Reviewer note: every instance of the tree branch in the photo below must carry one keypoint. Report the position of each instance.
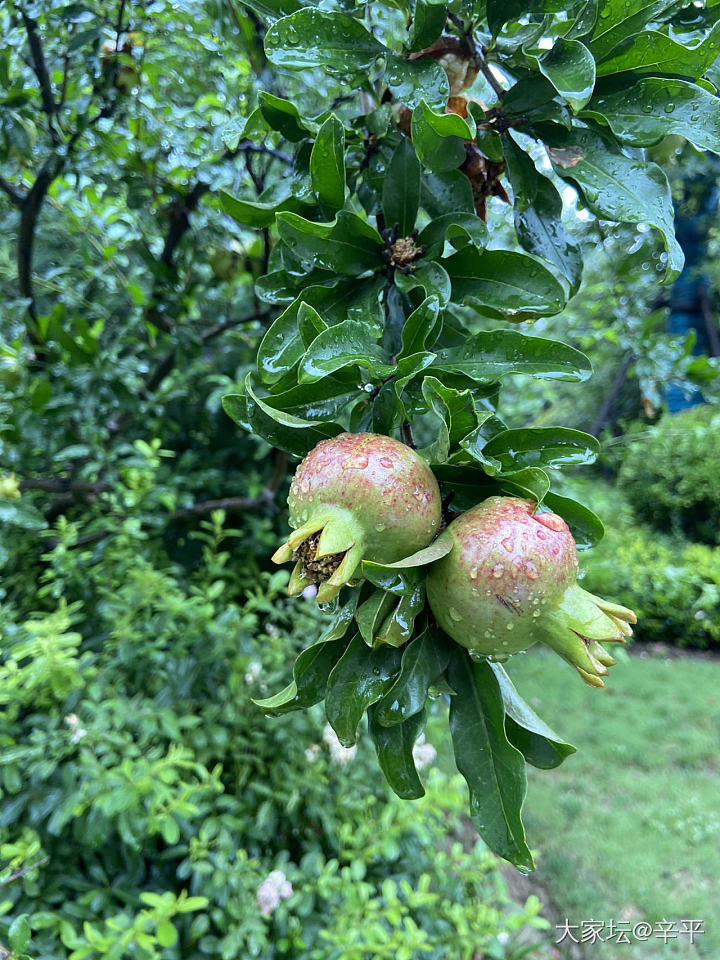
(40, 70)
(15, 195)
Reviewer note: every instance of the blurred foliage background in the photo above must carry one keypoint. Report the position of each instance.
(147, 808)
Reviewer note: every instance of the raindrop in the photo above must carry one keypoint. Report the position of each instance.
(473, 573)
(386, 462)
(531, 570)
(376, 671)
(454, 615)
(508, 543)
(669, 107)
(497, 570)
(379, 527)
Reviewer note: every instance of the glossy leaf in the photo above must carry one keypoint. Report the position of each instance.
(327, 164)
(427, 24)
(570, 68)
(310, 323)
(294, 434)
(442, 193)
(618, 19)
(401, 188)
(313, 38)
(459, 228)
(497, 353)
(439, 548)
(537, 742)
(347, 245)
(439, 138)
(538, 210)
(345, 344)
(310, 676)
(323, 400)
(409, 368)
(493, 768)
(400, 581)
(398, 626)
(655, 52)
(283, 116)
(261, 212)
(411, 81)
(542, 447)
(532, 482)
(394, 747)
(456, 407)
(433, 279)
(420, 327)
(585, 526)
(506, 282)
(370, 615)
(618, 187)
(360, 678)
(424, 661)
(654, 108)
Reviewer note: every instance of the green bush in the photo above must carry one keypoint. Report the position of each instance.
(672, 585)
(148, 809)
(670, 474)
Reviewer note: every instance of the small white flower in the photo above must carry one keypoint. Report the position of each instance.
(312, 752)
(423, 753)
(503, 937)
(254, 669)
(310, 591)
(77, 732)
(274, 888)
(338, 753)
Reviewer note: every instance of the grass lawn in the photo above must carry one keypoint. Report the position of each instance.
(629, 827)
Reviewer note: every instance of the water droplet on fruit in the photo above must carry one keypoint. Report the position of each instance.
(358, 461)
(508, 544)
(551, 520)
(454, 615)
(305, 486)
(379, 527)
(473, 573)
(386, 462)
(531, 570)
(541, 535)
(510, 626)
(497, 570)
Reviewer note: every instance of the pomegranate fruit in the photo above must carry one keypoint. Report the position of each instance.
(357, 496)
(510, 580)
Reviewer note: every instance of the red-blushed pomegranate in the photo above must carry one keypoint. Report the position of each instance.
(510, 580)
(357, 496)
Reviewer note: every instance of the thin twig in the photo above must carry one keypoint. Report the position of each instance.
(40, 70)
(19, 874)
(15, 195)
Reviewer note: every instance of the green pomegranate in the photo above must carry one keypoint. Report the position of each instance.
(355, 497)
(510, 580)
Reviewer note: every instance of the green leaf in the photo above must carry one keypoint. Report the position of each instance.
(327, 164)
(424, 661)
(455, 407)
(537, 742)
(283, 116)
(348, 245)
(311, 38)
(394, 746)
(399, 625)
(411, 81)
(370, 615)
(617, 187)
(346, 344)
(655, 52)
(401, 188)
(439, 548)
(654, 108)
(439, 138)
(618, 19)
(487, 357)
(360, 678)
(310, 676)
(309, 322)
(322, 400)
(459, 228)
(409, 368)
(294, 434)
(541, 446)
(273, 9)
(261, 212)
(493, 768)
(442, 193)
(427, 24)
(531, 482)
(400, 581)
(433, 279)
(19, 934)
(421, 328)
(538, 216)
(570, 68)
(585, 526)
(166, 934)
(505, 282)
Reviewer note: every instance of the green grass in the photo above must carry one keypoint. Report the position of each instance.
(629, 827)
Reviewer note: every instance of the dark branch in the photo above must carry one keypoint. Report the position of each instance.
(63, 485)
(40, 70)
(15, 195)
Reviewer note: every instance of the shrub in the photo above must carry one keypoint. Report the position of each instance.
(671, 478)
(148, 809)
(673, 586)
